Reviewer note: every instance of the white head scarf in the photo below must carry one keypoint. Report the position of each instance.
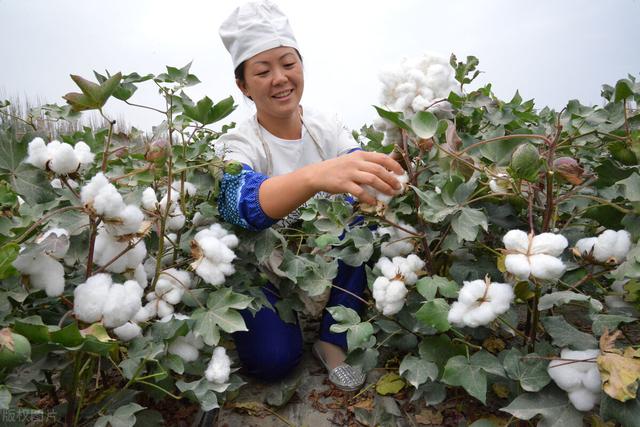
(253, 28)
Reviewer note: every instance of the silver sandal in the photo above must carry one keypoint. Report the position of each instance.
(345, 377)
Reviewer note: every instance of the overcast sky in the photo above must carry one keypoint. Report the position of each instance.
(551, 50)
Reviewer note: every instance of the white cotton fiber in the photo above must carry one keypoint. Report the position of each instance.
(549, 244)
(583, 400)
(219, 367)
(83, 153)
(546, 267)
(128, 331)
(516, 240)
(128, 221)
(63, 160)
(149, 200)
(89, 297)
(585, 246)
(478, 305)
(122, 303)
(38, 153)
(210, 272)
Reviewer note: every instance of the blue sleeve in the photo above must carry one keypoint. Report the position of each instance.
(238, 201)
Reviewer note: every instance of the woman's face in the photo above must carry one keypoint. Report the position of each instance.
(274, 80)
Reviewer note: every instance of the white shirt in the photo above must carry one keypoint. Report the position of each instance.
(244, 144)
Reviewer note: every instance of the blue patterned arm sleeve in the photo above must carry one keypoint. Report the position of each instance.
(238, 201)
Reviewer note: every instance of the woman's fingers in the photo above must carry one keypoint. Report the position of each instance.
(389, 178)
(360, 193)
(383, 160)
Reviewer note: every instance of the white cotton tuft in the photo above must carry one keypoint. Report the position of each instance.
(122, 304)
(38, 153)
(93, 187)
(83, 153)
(480, 303)
(585, 246)
(583, 400)
(534, 255)
(189, 188)
(516, 240)
(107, 247)
(215, 262)
(389, 295)
(128, 221)
(400, 242)
(580, 379)
(63, 160)
(387, 268)
(149, 200)
(518, 265)
(219, 367)
(128, 331)
(209, 272)
(89, 297)
(549, 244)
(45, 272)
(546, 267)
(612, 245)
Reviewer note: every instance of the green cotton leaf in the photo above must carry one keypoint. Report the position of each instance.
(463, 70)
(602, 322)
(8, 254)
(623, 90)
(429, 286)
(284, 390)
(344, 315)
(32, 185)
(460, 372)
(69, 336)
(12, 151)
(552, 404)
(366, 358)
(124, 416)
(466, 224)
(556, 299)
(389, 384)
(221, 314)
(393, 117)
(32, 328)
(439, 349)
(529, 371)
(360, 336)
(417, 370)
(93, 95)
(565, 335)
(432, 207)
(631, 187)
(424, 124)
(320, 276)
(434, 313)
(627, 413)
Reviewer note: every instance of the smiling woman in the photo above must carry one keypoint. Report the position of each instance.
(289, 153)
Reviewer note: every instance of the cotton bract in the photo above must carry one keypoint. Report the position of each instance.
(480, 302)
(581, 380)
(219, 367)
(100, 299)
(59, 157)
(534, 255)
(213, 250)
(610, 246)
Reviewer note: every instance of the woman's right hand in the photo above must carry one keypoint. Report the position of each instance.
(350, 172)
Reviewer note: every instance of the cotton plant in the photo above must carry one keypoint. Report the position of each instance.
(219, 367)
(610, 247)
(100, 299)
(576, 372)
(536, 256)
(170, 287)
(415, 85)
(390, 290)
(212, 249)
(59, 157)
(480, 302)
(43, 267)
(104, 199)
(185, 346)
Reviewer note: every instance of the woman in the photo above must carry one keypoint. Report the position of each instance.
(289, 154)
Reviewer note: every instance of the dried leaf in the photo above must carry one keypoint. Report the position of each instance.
(389, 384)
(501, 390)
(6, 339)
(494, 344)
(619, 369)
(429, 417)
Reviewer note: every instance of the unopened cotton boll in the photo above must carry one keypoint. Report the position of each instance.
(38, 154)
(128, 331)
(63, 160)
(219, 367)
(89, 297)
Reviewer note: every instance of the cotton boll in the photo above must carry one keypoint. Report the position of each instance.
(588, 355)
(585, 246)
(396, 291)
(149, 200)
(387, 268)
(548, 243)
(128, 222)
(226, 269)
(63, 160)
(178, 278)
(592, 380)
(219, 367)
(38, 153)
(140, 276)
(230, 240)
(83, 153)
(108, 202)
(200, 220)
(122, 304)
(218, 230)
(128, 331)
(471, 292)
(516, 240)
(583, 400)
(163, 308)
(176, 219)
(622, 247)
(168, 291)
(56, 183)
(93, 187)
(612, 244)
(546, 267)
(145, 313)
(456, 313)
(184, 350)
(106, 248)
(189, 188)
(209, 272)
(89, 297)
(501, 296)
(479, 315)
(50, 277)
(393, 307)
(216, 251)
(379, 289)
(518, 265)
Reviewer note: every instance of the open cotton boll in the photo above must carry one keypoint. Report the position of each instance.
(185, 351)
(389, 295)
(123, 302)
(379, 289)
(546, 267)
(90, 190)
(549, 244)
(216, 251)
(209, 272)
(219, 367)
(128, 221)
(387, 268)
(189, 188)
(83, 153)
(178, 278)
(176, 219)
(480, 303)
(400, 242)
(168, 291)
(149, 200)
(583, 399)
(128, 331)
(38, 154)
(140, 276)
(471, 292)
(592, 380)
(108, 202)
(566, 377)
(588, 355)
(585, 246)
(45, 273)
(518, 265)
(63, 160)
(612, 244)
(89, 297)
(516, 240)
(107, 247)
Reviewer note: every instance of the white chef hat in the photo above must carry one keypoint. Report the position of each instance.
(253, 28)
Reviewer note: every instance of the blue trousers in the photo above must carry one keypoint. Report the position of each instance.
(271, 348)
